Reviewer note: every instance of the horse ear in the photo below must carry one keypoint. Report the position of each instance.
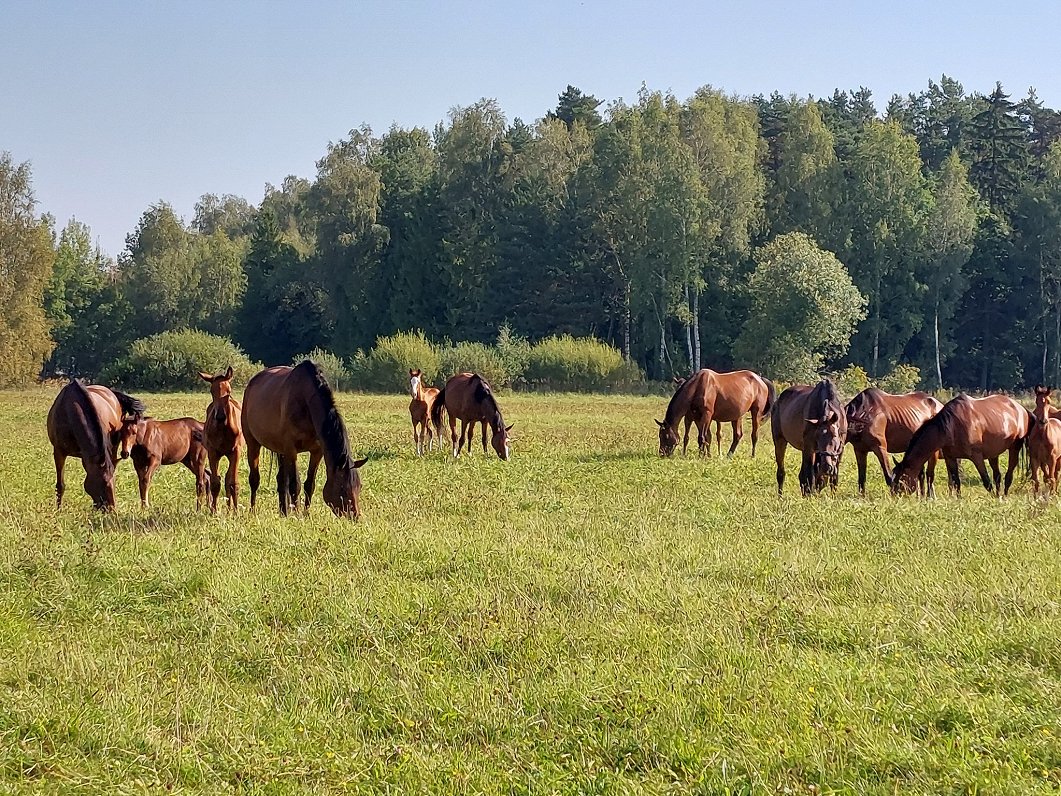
(206, 377)
(660, 423)
(831, 418)
(228, 373)
(813, 421)
(508, 428)
(677, 379)
(360, 462)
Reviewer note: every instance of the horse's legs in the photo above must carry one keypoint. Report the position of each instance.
(464, 434)
(144, 476)
(282, 483)
(738, 435)
(311, 474)
(806, 473)
(718, 436)
(779, 455)
(978, 463)
(215, 480)
(930, 475)
(416, 440)
(996, 470)
(254, 451)
(293, 487)
(426, 433)
(471, 433)
(860, 460)
(703, 436)
(882, 456)
(453, 435)
(954, 479)
(685, 440)
(1011, 465)
(60, 485)
(756, 419)
(483, 424)
(232, 479)
(196, 463)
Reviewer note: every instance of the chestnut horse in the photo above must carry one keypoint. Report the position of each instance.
(811, 420)
(85, 422)
(468, 398)
(722, 397)
(1044, 442)
(420, 412)
(878, 422)
(967, 428)
(153, 442)
(222, 437)
(291, 410)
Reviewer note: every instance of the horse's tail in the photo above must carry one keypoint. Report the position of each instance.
(771, 396)
(130, 405)
(437, 407)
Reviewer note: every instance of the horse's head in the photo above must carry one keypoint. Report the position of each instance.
(829, 438)
(500, 440)
(904, 477)
(99, 480)
(129, 434)
(668, 438)
(1042, 403)
(414, 382)
(342, 490)
(220, 385)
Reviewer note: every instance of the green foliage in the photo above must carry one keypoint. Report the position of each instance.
(333, 367)
(902, 378)
(172, 361)
(851, 380)
(514, 352)
(579, 365)
(386, 368)
(476, 358)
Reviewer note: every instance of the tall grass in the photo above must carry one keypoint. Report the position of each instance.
(586, 618)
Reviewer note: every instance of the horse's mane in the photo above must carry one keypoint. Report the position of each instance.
(944, 421)
(483, 394)
(823, 395)
(129, 404)
(89, 434)
(325, 414)
(672, 415)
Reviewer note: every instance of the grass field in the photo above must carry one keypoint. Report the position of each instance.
(586, 618)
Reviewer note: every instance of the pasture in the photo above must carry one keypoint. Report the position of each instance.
(585, 618)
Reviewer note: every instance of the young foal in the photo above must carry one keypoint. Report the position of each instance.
(420, 411)
(222, 436)
(1044, 442)
(152, 443)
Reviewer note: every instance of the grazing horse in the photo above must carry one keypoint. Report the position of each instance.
(1044, 442)
(468, 398)
(967, 428)
(85, 422)
(811, 420)
(722, 397)
(222, 437)
(291, 410)
(420, 411)
(152, 443)
(878, 422)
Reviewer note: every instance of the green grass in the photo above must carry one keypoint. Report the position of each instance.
(586, 618)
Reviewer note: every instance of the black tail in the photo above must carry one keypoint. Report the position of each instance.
(129, 404)
(771, 396)
(437, 407)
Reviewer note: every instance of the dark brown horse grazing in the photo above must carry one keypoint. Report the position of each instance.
(152, 443)
(423, 398)
(811, 420)
(468, 398)
(222, 437)
(292, 411)
(879, 422)
(85, 422)
(1044, 442)
(722, 397)
(967, 428)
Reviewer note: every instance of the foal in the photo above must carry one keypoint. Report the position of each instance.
(420, 411)
(222, 436)
(151, 443)
(1044, 442)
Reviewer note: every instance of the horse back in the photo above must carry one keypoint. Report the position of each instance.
(467, 396)
(737, 393)
(787, 418)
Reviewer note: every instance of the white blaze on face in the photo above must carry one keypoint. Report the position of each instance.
(506, 451)
(414, 385)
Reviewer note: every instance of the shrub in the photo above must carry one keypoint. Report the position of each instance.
(332, 366)
(903, 378)
(569, 363)
(851, 380)
(172, 361)
(514, 352)
(386, 368)
(476, 358)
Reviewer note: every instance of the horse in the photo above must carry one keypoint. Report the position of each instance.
(420, 411)
(722, 397)
(152, 442)
(967, 428)
(222, 436)
(468, 398)
(84, 422)
(878, 422)
(1044, 442)
(292, 410)
(678, 382)
(811, 420)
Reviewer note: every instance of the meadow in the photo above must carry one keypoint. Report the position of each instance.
(586, 618)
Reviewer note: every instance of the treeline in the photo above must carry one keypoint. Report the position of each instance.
(774, 232)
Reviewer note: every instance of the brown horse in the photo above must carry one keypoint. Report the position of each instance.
(292, 411)
(721, 397)
(420, 412)
(222, 437)
(152, 443)
(468, 398)
(967, 428)
(85, 422)
(878, 422)
(811, 420)
(1044, 442)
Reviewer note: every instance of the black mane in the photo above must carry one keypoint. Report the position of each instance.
(329, 424)
(484, 395)
(670, 418)
(92, 429)
(944, 421)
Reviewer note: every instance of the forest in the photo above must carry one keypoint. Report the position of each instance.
(791, 235)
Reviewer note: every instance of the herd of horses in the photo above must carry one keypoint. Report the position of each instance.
(292, 410)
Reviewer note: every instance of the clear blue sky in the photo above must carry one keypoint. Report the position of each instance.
(118, 105)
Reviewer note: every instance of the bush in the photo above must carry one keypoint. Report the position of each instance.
(332, 366)
(476, 358)
(580, 364)
(172, 361)
(514, 351)
(386, 368)
(851, 380)
(904, 378)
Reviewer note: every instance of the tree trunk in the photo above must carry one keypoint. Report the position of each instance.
(935, 328)
(696, 331)
(626, 323)
(688, 329)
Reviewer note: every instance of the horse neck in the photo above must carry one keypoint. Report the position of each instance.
(88, 428)
(331, 434)
(678, 405)
(1042, 410)
(928, 441)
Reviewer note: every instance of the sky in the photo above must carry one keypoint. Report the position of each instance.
(119, 105)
